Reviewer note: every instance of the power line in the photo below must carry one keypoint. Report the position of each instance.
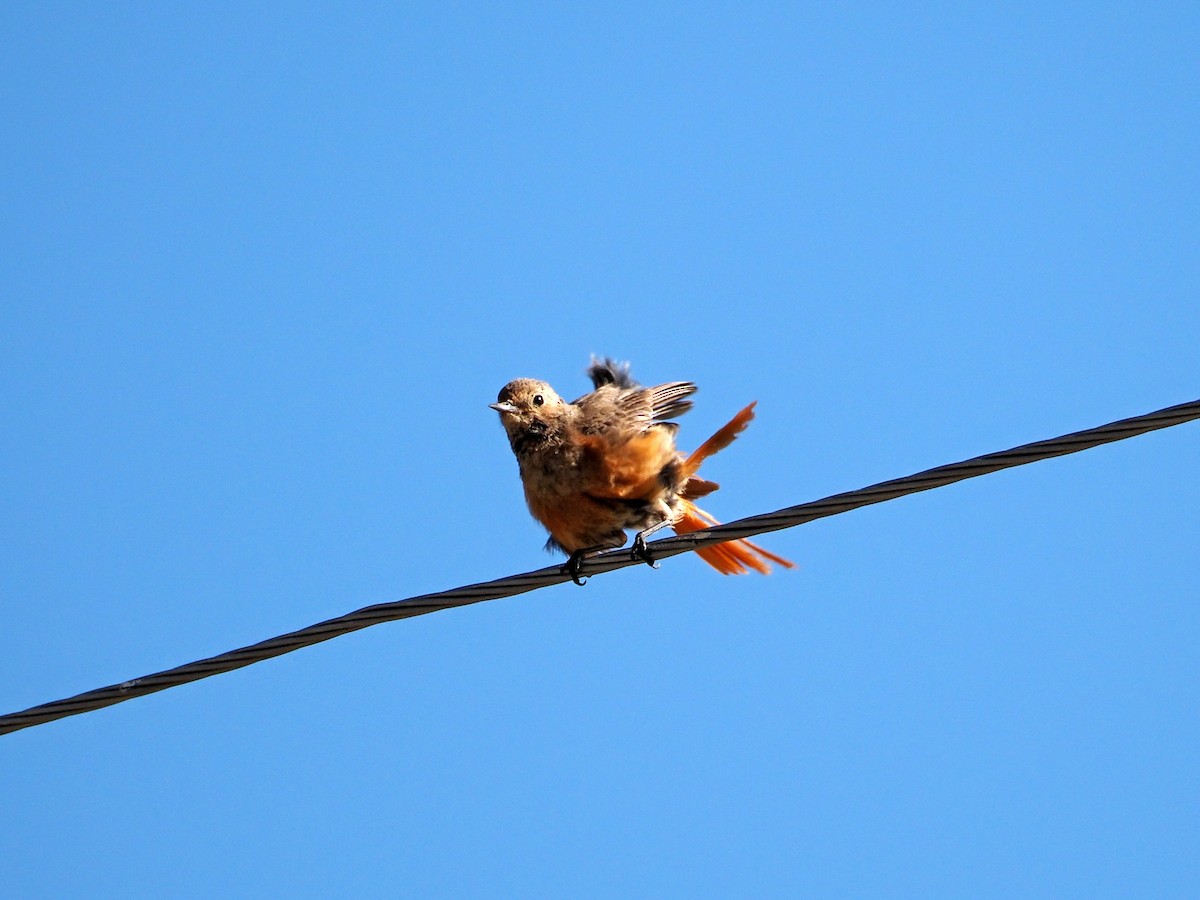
(605, 562)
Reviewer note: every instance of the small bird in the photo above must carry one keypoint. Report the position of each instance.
(607, 462)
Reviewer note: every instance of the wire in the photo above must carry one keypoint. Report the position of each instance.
(604, 562)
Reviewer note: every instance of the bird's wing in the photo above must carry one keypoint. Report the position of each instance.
(625, 438)
(666, 401)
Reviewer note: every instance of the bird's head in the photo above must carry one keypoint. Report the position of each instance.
(528, 408)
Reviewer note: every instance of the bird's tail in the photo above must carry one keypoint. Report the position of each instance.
(732, 557)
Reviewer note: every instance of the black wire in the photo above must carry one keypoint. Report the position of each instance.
(605, 562)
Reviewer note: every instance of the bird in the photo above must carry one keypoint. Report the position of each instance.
(595, 467)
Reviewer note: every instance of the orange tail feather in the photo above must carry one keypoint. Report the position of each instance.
(725, 436)
(732, 557)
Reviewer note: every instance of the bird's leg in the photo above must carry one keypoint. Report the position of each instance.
(575, 563)
(640, 551)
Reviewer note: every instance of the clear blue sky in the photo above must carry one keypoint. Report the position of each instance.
(262, 271)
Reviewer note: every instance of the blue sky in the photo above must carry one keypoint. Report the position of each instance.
(264, 268)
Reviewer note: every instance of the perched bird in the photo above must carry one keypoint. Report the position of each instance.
(607, 462)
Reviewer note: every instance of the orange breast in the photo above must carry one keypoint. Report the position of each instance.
(607, 491)
(576, 521)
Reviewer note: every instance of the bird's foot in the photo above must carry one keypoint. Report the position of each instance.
(640, 552)
(573, 566)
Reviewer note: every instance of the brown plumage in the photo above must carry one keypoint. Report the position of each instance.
(607, 462)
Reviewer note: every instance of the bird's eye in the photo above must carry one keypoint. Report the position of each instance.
(538, 400)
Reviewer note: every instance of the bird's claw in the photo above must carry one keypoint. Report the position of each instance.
(573, 566)
(640, 552)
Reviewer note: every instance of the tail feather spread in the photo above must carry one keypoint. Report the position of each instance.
(732, 557)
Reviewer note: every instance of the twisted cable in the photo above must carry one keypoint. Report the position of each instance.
(604, 562)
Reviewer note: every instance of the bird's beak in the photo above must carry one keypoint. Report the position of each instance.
(503, 407)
